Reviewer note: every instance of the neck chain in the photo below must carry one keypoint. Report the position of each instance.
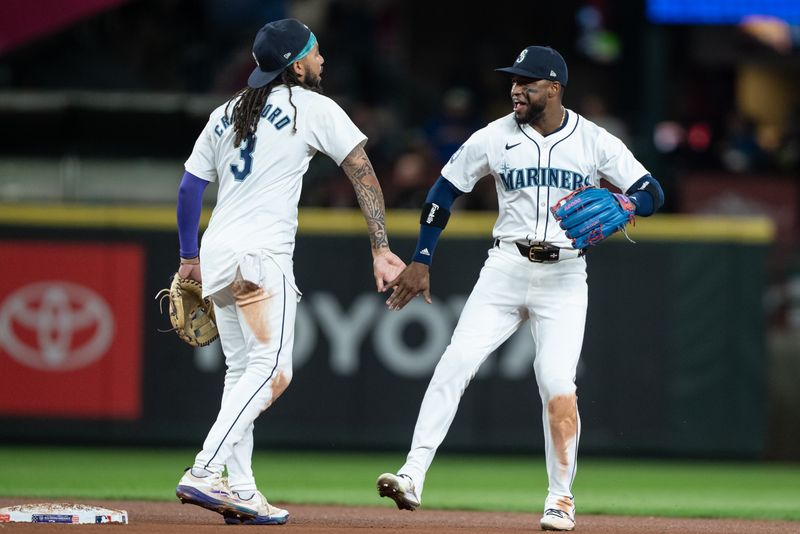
(539, 129)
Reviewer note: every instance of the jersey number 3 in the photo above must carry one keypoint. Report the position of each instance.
(246, 153)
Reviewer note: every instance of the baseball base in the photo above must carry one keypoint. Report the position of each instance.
(79, 514)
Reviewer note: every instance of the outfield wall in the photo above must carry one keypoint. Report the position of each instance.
(674, 359)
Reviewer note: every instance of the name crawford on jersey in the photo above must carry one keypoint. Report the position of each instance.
(267, 113)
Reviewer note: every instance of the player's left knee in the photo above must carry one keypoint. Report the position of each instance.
(563, 408)
(280, 382)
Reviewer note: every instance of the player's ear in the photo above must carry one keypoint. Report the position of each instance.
(299, 69)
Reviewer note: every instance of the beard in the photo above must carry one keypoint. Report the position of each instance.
(534, 113)
(313, 83)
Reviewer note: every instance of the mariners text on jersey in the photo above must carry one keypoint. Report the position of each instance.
(542, 177)
(267, 113)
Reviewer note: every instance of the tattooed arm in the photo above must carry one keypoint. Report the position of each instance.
(386, 265)
(359, 170)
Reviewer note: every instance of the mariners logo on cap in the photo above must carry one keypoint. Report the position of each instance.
(522, 55)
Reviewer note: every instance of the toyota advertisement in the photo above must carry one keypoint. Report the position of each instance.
(70, 330)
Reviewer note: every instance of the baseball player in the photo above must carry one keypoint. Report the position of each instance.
(258, 146)
(537, 154)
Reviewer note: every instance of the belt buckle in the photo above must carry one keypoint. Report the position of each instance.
(542, 253)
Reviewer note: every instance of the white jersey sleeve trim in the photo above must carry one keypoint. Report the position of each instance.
(616, 163)
(202, 161)
(470, 162)
(330, 130)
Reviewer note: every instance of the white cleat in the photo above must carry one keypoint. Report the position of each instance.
(399, 488)
(555, 519)
(267, 514)
(212, 493)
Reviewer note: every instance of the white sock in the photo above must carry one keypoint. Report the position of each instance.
(199, 472)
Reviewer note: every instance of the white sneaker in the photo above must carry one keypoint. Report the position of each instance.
(557, 519)
(211, 492)
(267, 514)
(399, 488)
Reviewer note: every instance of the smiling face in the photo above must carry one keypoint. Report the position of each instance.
(530, 98)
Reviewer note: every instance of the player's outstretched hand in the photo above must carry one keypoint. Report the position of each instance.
(190, 271)
(386, 267)
(414, 279)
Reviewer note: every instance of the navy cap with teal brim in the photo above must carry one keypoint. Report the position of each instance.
(277, 45)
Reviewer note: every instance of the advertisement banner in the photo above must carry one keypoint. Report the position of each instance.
(70, 329)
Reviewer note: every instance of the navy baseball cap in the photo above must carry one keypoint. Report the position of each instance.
(539, 63)
(277, 45)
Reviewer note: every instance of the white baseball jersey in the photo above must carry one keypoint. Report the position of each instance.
(533, 172)
(260, 181)
(252, 229)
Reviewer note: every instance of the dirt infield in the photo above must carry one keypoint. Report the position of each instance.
(174, 518)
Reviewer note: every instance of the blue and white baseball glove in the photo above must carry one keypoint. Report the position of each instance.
(591, 214)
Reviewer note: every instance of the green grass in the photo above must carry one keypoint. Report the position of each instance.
(511, 483)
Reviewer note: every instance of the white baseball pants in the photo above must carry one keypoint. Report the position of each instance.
(509, 291)
(257, 336)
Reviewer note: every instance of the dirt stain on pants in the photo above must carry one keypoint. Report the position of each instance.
(279, 385)
(252, 302)
(562, 413)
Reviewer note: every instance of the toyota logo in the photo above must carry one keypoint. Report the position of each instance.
(55, 325)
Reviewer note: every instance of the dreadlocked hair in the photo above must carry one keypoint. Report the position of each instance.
(249, 102)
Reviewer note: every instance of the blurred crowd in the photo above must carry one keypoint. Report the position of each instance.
(692, 103)
(416, 90)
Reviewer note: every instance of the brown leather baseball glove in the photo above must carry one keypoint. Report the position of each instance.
(191, 315)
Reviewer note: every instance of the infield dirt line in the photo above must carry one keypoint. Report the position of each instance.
(175, 518)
